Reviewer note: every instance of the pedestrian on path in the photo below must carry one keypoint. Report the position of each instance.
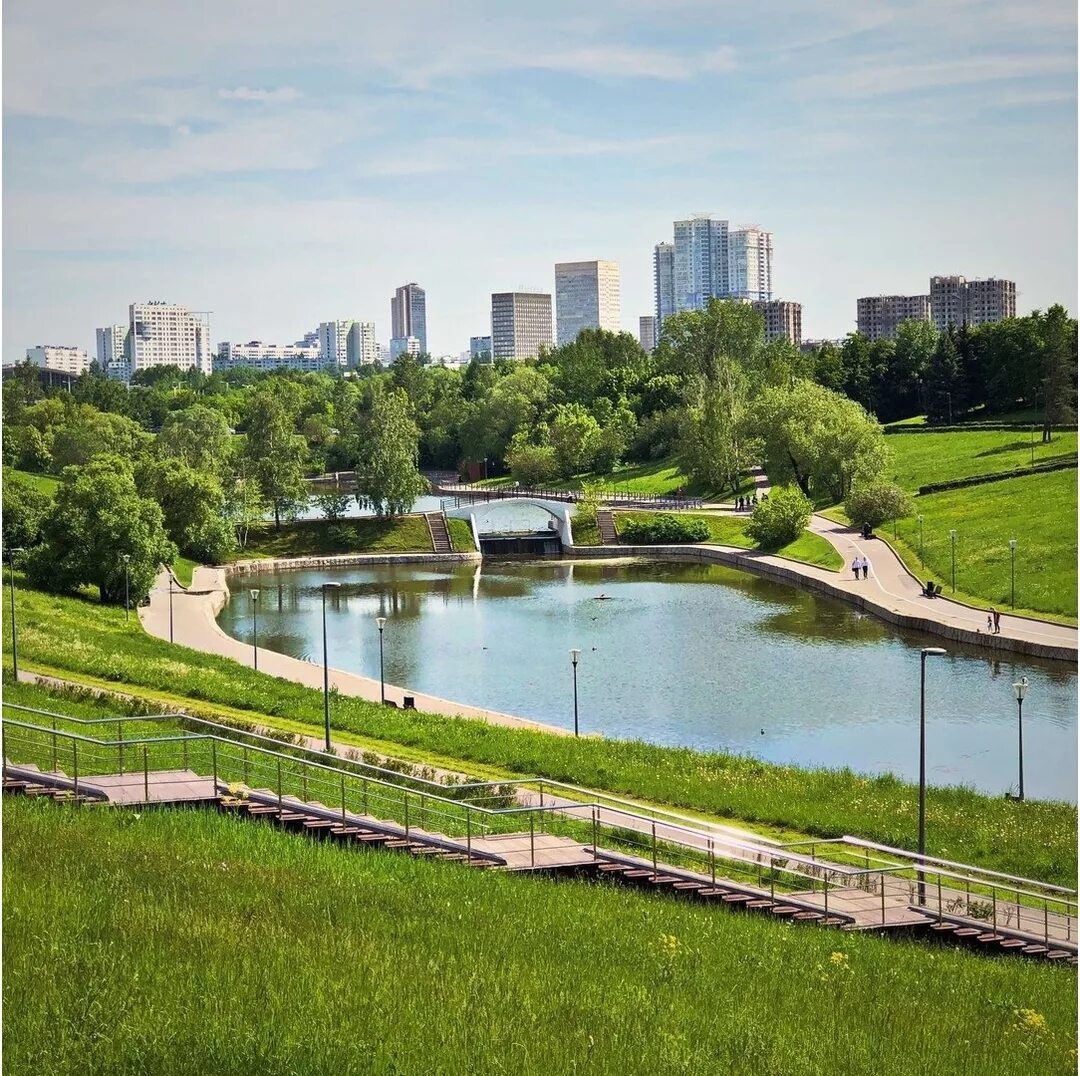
(856, 566)
(866, 567)
(989, 622)
(997, 621)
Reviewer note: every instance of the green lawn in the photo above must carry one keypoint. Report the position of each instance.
(317, 537)
(70, 636)
(42, 482)
(183, 568)
(461, 535)
(185, 942)
(731, 530)
(920, 459)
(1039, 511)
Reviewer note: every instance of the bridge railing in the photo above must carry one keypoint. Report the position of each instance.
(464, 495)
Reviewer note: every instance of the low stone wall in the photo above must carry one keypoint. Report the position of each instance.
(347, 560)
(754, 563)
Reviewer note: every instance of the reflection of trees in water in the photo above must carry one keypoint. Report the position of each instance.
(811, 620)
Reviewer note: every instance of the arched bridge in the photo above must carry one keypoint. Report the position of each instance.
(515, 524)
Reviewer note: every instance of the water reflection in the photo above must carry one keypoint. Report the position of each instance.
(690, 654)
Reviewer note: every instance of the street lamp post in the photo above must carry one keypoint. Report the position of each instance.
(14, 644)
(381, 621)
(927, 651)
(255, 627)
(170, 607)
(952, 539)
(1020, 688)
(326, 667)
(574, 655)
(126, 558)
(920, 542)
(1012, 573)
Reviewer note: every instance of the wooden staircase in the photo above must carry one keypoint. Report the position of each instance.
(605, 523)
(439, 531)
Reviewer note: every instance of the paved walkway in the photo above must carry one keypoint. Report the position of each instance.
(892, 587)
(194, 625)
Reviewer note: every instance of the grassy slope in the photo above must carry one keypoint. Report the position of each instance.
(42, 482)
(183, 567)
(68, 635)
(316, 537)
(461, 536)
(731, 530)
(327, 961)
(920, 459)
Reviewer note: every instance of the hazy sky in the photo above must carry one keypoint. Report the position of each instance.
(286, 163)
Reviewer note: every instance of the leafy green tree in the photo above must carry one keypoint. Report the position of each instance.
(24, 511)
(275, 454)
(333, 505)
(198, 436)
(387, 479)
(1059, 366)
(87, 432)
(944, 382)
(817, 439)
(97, 518)
(193, 505)
(530, 464)
(780, 519)
(514, 403)
(875, 502)
(914, 346)
(575, 437)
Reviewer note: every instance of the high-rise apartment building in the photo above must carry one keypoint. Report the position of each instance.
(480, 348)
(701, 261)
(162, 334)
(520, 324)
(408, 315)
(955, 300)
(586, 297)
(404, 345)
(647, 332)
(362, 349)
(663, 283)
(783, 319)
(112, 351)
(749, 265)
(65, 359)
(877, 317)
(334, 343)
(260, 356)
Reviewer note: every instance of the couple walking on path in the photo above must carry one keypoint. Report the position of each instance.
(993, 622)
(861, 564)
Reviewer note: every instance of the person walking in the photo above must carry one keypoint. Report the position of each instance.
(856, 566)
(866, 567)
(997, 621)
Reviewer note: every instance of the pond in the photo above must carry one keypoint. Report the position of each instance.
(683, 654)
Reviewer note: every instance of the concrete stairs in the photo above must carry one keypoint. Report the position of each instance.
(605, 523)
(439, 531)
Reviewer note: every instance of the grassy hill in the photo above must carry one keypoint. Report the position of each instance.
(187, 942)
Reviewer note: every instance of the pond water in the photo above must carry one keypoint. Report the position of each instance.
(683, 654)
(354, 511)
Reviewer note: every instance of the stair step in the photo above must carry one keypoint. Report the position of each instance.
(319, 823)
(663, 879)
(613, 868)
(967, 932)
(1035, 950)
(636, 873)
(834, 921)
(807, 917)
(944, 928)
(688, 886)
(1058, 954)
(984, 938)
(784, 909)
(736, 898)
(755, 904)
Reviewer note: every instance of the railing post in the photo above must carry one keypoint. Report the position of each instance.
(343, 799)
(75, 768)
(939, 895)
(213, 756)
(120, 739)
(55, 763)
(594, 832)
(363, 793)
(279, 785)
(184, 746)
(406, 812)
(654, 849)
(303, 778)
(993, 897)
(541, 793)
(712, 861)
(826, 880)
(247, 766)
(532, 840)
(421, 810)
(145, 775)
(772, 878)
(1046, 921)
(882, 898)
(468, 834)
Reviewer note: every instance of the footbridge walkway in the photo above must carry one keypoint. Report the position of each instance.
(527, 825)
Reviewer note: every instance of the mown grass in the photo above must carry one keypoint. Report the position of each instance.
(43, 483)
(316, 537)
(924, 458)
(1039, 511)
(183, 567)
(461, 536)
(1036, 839)
(731, 531)
(183, 942)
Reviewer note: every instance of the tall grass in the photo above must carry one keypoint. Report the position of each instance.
(182, 942)
(1036, 839)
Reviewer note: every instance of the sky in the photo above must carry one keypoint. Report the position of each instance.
(281, 164)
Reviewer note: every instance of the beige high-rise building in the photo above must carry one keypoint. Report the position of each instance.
(586, 297)
(68, 360)
(783, 320)
(955, 300)
(647, 332)
(879, 316)
(165, 335)
(520, 324)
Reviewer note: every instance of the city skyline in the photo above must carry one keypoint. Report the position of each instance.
(277, 193)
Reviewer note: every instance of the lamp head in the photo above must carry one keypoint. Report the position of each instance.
(1020, 688)
(952, 534)
(254, 595)
(125, 557)
(933, 651)
(1012, 543)
(334, 585)
(381, 621)
(574, 655)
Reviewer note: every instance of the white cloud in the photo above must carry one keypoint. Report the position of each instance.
(245, 93)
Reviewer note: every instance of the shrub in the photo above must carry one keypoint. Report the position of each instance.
(874, 503)
(531, 465)
(780, 519)
(664, 529)
(25, 509)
